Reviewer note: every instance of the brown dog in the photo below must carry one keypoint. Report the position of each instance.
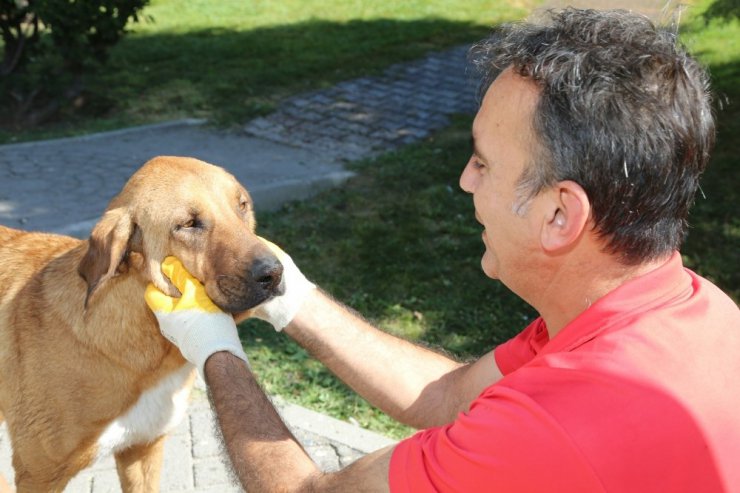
(84, 370)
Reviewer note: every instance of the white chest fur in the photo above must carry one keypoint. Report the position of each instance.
(158, 411)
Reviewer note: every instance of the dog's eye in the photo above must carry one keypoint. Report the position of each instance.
(243, 205)
(193, 223)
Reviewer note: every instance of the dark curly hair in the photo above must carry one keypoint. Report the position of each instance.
(624, 111)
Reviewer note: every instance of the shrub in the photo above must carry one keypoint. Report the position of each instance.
(49, 45)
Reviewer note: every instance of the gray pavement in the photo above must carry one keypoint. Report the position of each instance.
(64, 185)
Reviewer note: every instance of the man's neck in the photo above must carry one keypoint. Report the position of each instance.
(578, 282)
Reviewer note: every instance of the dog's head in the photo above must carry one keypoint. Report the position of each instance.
(195, 211)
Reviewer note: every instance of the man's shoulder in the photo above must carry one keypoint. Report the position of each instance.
(722, 307)
(627, 429)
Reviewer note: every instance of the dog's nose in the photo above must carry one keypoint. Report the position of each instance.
(267, 272)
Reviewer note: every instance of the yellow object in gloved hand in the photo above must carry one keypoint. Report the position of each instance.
(192, 322)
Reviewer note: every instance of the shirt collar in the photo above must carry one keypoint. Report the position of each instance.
(640, 294)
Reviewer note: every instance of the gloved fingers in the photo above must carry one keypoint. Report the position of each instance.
(178, 274)
(194, 294)
(158, 301)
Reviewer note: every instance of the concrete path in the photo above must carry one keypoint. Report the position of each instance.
(64, 185)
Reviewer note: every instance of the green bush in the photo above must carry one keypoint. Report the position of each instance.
(48, 47)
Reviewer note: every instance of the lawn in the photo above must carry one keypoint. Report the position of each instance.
(231, 60)
(399, 244)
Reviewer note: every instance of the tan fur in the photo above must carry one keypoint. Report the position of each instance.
(78, 345)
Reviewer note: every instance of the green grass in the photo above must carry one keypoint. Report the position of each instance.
(713, 245)
(231, 60)
(399, 244)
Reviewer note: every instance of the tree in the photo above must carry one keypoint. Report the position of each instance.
(49, 45)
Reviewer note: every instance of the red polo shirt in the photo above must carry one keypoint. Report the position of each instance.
(640, 393)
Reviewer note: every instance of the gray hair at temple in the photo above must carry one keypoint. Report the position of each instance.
(624, 111)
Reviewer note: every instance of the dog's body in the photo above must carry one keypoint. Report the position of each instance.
(84, 370)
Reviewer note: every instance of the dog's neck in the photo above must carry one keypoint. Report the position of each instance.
(117, 322)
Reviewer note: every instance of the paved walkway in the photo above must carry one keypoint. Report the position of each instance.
(64, 185)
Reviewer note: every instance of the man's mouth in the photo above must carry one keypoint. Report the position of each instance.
(483, 237)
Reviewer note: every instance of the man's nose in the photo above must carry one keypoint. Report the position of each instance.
(469, 177)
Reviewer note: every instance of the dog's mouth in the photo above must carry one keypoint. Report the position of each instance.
(234, 294)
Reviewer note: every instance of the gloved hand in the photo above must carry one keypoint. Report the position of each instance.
(280, 310)
(192, 322)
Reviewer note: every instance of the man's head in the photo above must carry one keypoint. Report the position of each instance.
(623, 112)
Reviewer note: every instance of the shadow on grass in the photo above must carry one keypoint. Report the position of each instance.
(230, 76)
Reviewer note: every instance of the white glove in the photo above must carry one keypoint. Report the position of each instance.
(192, 322)
(280, 310)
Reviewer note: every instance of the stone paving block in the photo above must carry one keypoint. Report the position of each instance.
(211, 472)
(83, 483)
(205, 441)
(347, 455)
(261, 124)
(106, 482)
(325, 457)
(177, 468)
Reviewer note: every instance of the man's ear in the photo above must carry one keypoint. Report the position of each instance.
(106, 249)
(567, 217)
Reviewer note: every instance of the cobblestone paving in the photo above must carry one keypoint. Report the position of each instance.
(369, 115)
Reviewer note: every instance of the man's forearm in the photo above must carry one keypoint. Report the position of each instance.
(414, 385)
(263, 452)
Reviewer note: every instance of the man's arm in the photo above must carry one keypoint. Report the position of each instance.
(263, 452)
(412, 384)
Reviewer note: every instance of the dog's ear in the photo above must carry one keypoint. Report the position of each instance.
(107, 249)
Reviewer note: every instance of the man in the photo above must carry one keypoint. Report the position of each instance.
(588, 146)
